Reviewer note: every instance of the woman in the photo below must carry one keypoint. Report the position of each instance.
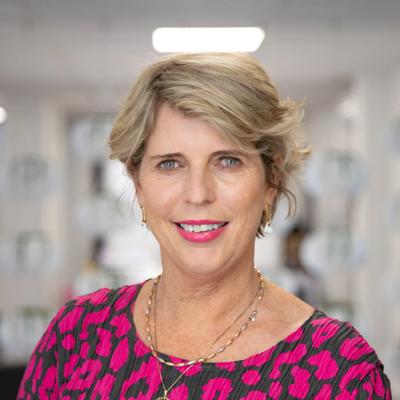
(209, 147)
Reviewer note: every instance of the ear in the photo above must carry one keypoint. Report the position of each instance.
(138, 189)
(271, 192)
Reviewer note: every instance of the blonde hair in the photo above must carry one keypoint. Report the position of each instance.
(230, 90)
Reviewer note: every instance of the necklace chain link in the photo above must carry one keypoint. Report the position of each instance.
(203, 358)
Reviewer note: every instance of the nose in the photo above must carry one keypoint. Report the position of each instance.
(199, 187)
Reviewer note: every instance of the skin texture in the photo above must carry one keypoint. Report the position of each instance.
(206, 285)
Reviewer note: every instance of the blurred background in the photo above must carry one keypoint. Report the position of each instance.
(68, 223)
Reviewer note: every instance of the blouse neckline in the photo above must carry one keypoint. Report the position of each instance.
(255, 359)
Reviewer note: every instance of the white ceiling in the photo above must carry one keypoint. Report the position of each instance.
(103, 43)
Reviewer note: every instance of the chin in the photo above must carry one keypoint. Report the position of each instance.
(201, 266)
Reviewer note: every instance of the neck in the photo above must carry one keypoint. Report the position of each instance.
(215, 298)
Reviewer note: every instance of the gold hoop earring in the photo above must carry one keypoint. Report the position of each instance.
(144, 220)
(268, 227)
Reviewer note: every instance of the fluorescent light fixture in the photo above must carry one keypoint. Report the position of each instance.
(3, 115)
(177, 40)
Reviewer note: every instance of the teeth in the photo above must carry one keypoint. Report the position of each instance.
(200, 228)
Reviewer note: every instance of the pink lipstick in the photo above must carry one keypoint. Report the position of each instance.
(201, 237)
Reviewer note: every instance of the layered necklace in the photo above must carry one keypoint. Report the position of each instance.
(207, 354)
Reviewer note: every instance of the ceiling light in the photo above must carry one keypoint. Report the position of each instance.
(3, 115)
(176, 40)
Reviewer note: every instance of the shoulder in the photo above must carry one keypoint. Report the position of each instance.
(95, 307)
(331, 358)
(69, 329)
(337, 351)
(322, 340)
(340, 337)
(338, 345)
(118, 297)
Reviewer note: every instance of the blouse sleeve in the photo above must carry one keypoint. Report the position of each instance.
(375, 386)
(40, 376)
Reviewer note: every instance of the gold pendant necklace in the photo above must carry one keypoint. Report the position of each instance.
(165, 397)
(251, 319)
(203, 357)
(182, 374)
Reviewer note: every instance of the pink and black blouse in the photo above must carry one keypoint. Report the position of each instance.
(91, 350)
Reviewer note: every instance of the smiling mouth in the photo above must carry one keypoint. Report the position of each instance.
(198, 228)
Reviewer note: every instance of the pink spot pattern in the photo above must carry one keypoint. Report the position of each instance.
(70, 365)
(84, 352)
(275, 390)
(180, 392)
(295, 336)
(325, 331)
(104, 344)
(324, 393)
(301, 385)
(229, 366)
(354, 348)
(68, 342)
(122, 325)
(251, 377)
(120, 355)
(290, 357)
(326, 365)
(91, 350)
(217, 388)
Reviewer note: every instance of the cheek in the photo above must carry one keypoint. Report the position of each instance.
(159, 196)
(246, 198)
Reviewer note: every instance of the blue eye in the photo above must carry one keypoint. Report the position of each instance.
(230, 162)
(167, 164)
(227, 162)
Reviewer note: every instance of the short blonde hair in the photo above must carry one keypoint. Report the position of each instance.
(230, 90)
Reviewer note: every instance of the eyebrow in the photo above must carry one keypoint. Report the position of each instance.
(214, 154)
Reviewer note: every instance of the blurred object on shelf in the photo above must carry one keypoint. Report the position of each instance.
(291, 274)
(31, 252)
(101, 213)
(29, 177)
(89, 136)
(331, 249)
(335, 172)
(20, 330)
(92, 277)
(304, 281)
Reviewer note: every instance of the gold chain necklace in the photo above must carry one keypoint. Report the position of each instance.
(203, 357)
(181, 375)
(165, 395)
(251, 318)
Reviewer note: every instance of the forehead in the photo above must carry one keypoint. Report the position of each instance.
(175, 129)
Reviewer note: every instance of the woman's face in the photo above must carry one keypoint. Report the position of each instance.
(203, 197)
